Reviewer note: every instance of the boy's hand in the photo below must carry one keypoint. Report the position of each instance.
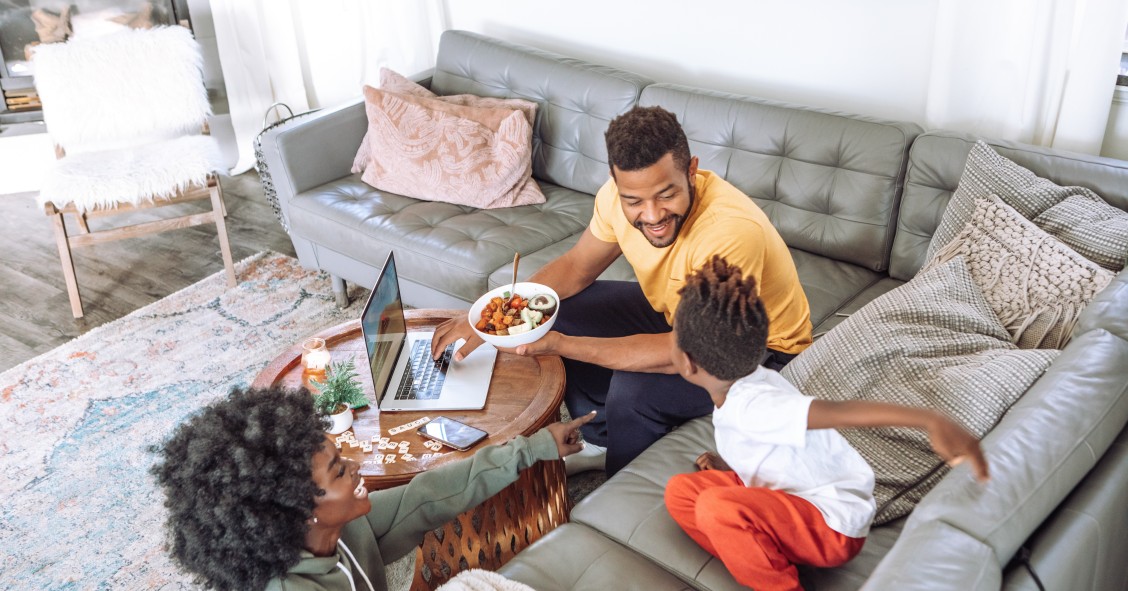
(567, 435)
(711, 461)
(955, 444)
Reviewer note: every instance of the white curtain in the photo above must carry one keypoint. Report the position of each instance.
(1035, 71)
(315, 53)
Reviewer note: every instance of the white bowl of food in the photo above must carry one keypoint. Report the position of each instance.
(507, 322)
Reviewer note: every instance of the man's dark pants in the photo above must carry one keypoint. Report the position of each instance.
(635, 409)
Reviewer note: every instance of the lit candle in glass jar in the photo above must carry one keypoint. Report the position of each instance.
(315, 357)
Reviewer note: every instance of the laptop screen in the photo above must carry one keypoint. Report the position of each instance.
(383, 326)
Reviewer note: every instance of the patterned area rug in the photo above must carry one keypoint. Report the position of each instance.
(80, 509)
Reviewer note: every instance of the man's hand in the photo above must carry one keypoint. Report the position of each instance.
(546, 345)
(567, 435)
(449, 332)
(711, 461)
(955, 444)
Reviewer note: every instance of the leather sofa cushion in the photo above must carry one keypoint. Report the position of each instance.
(828, 182)
(451, 248)
(573, 558)
(830, 284)
(936, 163)
(576, 100)
(630, 509)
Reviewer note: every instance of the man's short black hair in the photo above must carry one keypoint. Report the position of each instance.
(239, 488)
(720, 320)
(640, 138)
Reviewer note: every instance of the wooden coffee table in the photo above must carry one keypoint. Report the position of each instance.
(524, 395)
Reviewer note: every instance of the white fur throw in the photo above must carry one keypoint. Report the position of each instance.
(121, 90)
(100, 180)
(482, 580)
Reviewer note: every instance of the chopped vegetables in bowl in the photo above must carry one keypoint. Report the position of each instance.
(506, 319)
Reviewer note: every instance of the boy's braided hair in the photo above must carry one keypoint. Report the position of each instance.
(720, 321)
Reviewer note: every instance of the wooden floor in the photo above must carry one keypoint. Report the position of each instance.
(114, 278)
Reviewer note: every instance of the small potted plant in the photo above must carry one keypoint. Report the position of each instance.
(338, 394)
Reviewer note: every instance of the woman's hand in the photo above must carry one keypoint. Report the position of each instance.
(711, 461)
(954, 444)
(567, 435)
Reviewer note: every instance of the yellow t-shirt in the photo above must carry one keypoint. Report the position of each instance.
(723, 221)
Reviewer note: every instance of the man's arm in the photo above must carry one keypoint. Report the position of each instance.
(950, 441)
(568, 275)
(576, 269)
(645, 353)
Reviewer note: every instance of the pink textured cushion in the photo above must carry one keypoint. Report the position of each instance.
(435, 150)
(391, 81)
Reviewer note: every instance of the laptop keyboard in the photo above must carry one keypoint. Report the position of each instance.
(425, 376)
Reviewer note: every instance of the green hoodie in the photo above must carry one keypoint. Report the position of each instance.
(401, 516)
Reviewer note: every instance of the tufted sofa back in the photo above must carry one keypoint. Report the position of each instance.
(575, 100)
(937, 162)
(830, 183)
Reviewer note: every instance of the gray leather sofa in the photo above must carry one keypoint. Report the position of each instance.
(857, 199)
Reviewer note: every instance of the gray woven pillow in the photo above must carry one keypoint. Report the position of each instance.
(1097, 230)
(932, 343)
(1036, 285)
(988, 173)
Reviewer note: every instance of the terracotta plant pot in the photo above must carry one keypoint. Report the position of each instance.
(340, 422)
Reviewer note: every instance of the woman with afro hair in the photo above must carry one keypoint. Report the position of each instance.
(260, 498)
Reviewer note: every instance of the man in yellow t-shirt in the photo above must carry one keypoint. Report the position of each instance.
(668, 219)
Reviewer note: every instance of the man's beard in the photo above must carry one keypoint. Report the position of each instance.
(675, 219)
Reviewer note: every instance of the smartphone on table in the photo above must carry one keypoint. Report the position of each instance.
(452, 433)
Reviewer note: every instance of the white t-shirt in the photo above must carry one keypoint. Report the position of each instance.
(761, 432)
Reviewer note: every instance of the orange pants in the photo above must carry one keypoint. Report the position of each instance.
(758, 533)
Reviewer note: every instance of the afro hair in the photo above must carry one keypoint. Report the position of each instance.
(721, 323)
(238, 486)
(640, 138)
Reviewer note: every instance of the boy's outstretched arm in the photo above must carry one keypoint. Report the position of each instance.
(949, 440)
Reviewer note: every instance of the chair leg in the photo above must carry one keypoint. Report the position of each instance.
(63, 243)
(340, 291)
(219, 212)
(82, 223)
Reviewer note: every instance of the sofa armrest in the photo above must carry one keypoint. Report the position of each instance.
(937, 556)
(319, 148)
(1109, 310)
(1045, 444)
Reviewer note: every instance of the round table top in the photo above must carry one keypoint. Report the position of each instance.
(524, 395)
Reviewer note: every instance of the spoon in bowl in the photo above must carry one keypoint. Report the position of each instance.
(513, 288)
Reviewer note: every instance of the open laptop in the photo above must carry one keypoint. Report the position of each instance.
(404, 375)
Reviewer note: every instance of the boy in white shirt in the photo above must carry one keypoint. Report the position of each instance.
(796, 491)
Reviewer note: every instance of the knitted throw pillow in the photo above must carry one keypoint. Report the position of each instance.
(1036, 285)
(931, 343)
(1095, 229)
(988, 173)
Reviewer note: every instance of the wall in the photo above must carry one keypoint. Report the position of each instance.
(1116, 134)
(869, 57)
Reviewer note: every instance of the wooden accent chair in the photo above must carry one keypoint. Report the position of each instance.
(125, 112)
